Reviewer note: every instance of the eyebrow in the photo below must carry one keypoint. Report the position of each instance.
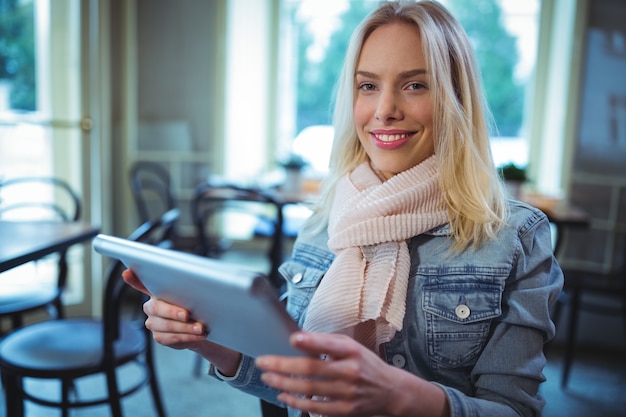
(402, 75)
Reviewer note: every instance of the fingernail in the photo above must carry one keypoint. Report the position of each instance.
(181, 316)
(297, 337)
(267, 378)
(197, 329)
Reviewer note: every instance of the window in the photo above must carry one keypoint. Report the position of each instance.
(314, 37)
(17, 56)
(40, 109)
(315, 34)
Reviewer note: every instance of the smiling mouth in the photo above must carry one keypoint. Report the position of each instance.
(393, 138)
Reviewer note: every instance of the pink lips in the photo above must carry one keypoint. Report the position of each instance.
(390, 139)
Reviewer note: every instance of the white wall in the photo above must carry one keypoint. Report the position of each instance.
(247, 80)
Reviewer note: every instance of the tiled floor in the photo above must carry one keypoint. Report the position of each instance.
(597, 388)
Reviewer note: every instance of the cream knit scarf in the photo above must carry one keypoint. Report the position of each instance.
(363, 294)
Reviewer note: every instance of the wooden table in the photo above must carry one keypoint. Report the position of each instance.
(560, 213)
(22, 242)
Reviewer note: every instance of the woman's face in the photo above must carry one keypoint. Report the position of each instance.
(393, 110)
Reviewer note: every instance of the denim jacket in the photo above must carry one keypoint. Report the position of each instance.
(476, 321)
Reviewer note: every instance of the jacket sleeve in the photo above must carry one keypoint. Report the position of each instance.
(248, 380)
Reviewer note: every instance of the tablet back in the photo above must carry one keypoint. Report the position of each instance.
(240, 308)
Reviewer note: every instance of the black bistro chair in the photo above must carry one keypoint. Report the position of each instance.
(151, 187)
(69, 349)
(212, 205)
(37, 199)
(578, 285)
(216, 208)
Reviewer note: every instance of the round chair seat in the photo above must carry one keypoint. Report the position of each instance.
(16, 297)
(72, 347)
(69, 349)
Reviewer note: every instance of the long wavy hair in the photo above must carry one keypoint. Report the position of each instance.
(476, 203)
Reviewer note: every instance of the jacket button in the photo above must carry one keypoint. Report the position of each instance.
(398, 361)
(462, 311)
(296, 278)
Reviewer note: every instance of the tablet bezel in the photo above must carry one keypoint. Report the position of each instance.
(239, 307)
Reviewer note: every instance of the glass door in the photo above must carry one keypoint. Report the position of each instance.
(45, 127)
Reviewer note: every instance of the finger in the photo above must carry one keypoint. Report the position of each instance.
(306, 386)
(303, 367)
(160, 308)
(177, 340)
(323, 349)
(317, 405)
(336, 346)
(131, 279)
(308, 376)
(162, 325)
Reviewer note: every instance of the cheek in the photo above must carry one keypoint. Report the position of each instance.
(424, 112)
(429, 118)
(361, 113)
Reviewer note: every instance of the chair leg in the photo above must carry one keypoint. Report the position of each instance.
(154, 384)
(114, 393)
(574, 304)
(624, 309)
(156, 396)
(67, 386)
(14, 397)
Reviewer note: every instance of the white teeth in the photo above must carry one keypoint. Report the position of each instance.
(390, 138)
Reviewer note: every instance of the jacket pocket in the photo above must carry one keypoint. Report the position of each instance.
(302, 282)
(458, 318)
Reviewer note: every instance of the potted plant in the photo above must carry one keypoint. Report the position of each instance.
(293, 161)
(512, 172)
(514, 177)
(293, 165)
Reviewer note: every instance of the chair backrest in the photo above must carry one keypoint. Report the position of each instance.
(42, 198)
(38, 198)
(150, 185)
(233, 214)
(153, 232)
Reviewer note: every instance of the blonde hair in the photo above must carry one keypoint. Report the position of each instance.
(473, 192)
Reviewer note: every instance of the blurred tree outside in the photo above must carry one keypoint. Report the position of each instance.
(17, 52)
(497, 55)
(317, 79)
(495, 49)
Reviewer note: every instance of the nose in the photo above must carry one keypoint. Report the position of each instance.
(388, 108)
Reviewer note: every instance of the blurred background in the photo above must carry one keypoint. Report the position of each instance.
(231, 89)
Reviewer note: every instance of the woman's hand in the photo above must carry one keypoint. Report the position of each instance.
(351, 380)
(172, 326)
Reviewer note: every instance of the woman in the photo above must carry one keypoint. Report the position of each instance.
(427, 293)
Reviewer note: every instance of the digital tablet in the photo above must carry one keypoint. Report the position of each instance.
(240, 308)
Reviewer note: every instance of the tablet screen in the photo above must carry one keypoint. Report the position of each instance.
(240, 308)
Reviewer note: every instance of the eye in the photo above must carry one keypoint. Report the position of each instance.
(416, 86)
(367, 86)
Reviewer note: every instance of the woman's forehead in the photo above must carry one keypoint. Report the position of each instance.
(396, 45)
